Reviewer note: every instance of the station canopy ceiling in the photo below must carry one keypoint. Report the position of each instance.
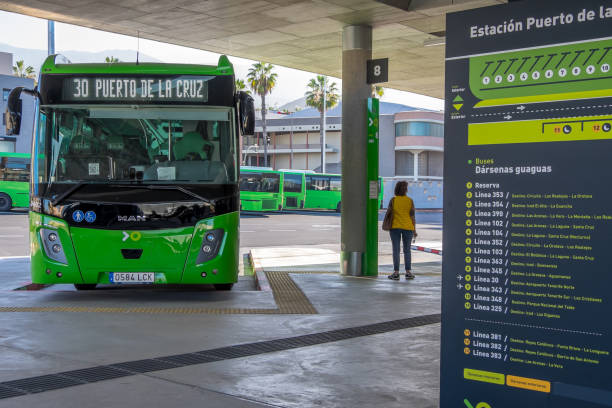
(301, 34)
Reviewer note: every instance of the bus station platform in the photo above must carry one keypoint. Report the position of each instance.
(293, 334)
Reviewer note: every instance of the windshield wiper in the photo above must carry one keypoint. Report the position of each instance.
(162, 187)
(67, 193)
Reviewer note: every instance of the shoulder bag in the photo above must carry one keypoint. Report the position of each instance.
(388, 220)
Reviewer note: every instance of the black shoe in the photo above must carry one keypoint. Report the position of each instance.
(409, 275)
(394, 276)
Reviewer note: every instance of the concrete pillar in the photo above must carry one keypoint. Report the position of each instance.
(356, 50)
(415, 173)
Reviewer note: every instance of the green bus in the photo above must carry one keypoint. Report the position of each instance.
(260, 189)
(324, 191)
(135, 176)
(265, 189)
(14, 181)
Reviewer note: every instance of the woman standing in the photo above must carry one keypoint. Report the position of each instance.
(403, 228)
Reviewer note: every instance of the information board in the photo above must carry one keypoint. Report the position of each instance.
(527, 268)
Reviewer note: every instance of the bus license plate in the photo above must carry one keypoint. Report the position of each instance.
(131, 277)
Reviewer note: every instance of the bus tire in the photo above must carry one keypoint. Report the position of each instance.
(85, 286)
(223, 286)
(339, 207)
(5, 202)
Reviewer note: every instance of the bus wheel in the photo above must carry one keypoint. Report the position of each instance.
(224, 286)
(85, 286)
(339, 207)
(5, 202)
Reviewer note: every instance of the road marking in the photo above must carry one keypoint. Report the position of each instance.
(14, 257)
(246, 231)
(283, 231)
(12, 236)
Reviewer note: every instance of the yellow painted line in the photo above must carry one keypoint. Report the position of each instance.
(289, 298)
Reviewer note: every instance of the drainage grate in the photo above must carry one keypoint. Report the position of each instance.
(6, 392)
(67, 379)
(42, 383)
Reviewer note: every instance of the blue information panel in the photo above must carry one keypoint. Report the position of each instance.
(527, 268)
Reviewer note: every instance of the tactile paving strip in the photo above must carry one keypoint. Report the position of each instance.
(288, 296)
(66, 379)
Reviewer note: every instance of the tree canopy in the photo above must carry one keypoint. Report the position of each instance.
(314, 94)
(23, 71)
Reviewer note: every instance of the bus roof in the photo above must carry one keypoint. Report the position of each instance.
(21, 155)
(258, 170)
(57, 64)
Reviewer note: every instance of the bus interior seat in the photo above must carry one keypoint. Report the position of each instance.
(193, 142)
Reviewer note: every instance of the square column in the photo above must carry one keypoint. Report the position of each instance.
(356, 50)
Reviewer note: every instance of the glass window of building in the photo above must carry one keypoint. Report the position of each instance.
(419, 129)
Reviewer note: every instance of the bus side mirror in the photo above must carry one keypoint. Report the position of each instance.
(13, 112)
(247, 114)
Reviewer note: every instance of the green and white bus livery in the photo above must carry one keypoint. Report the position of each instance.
(260, 189)
(14, 180)
(135, 173)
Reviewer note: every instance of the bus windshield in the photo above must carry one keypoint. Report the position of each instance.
(129, 144)
(260, 182)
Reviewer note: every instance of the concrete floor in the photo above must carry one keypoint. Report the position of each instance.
(66, 330)
(398, 368)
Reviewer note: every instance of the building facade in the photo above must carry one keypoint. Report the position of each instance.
(21, 143)
(411, 145)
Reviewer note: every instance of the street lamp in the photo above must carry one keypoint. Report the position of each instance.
(246, 153)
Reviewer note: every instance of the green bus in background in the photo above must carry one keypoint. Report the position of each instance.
(136, 173)
(260, 189)
(14, 181)
(264, 189)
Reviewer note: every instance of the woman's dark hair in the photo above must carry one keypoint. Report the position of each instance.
(401, 188)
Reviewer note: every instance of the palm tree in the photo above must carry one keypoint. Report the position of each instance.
(20, 70)
(241, 86)
(377, 91)
(261, 81)
(111, 59)
(314, 98)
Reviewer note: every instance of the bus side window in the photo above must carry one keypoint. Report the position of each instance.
(308, 182)
(335, 184)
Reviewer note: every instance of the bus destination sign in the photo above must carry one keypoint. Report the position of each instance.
(186, 88)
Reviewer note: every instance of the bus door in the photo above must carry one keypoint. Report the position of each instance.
(293, 190)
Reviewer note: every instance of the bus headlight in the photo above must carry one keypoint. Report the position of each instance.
(52, 245)
(210, 246)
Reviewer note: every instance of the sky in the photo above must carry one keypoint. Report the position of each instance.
(28, 32)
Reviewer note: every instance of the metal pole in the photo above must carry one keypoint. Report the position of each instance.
(50, 37)
(324, 125)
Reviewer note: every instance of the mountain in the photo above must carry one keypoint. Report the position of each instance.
(35, 57)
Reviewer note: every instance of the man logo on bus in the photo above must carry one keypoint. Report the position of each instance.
(131, 218)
